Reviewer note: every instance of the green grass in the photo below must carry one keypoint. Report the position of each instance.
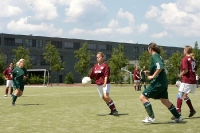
(78, 109)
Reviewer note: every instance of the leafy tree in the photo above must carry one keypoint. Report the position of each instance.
(144, 59)
(22, 53)
(84, 56)
(173, 66)
(2, 62)
(163, 53)
(196, 52)
(52, 56)
(69, 78)
(116, 62)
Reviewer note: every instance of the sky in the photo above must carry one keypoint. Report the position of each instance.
(166, 22)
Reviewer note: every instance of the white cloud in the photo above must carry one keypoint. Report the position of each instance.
(44, 9)
(64, 2)
(183, 18)
(153, 12)
(125, 30)
(76, 31)
(143, 28)
(126, 15)
(160, 35)
(22, 25)
(113, 24)
(85, 11)
(8, 9)
(102, 31)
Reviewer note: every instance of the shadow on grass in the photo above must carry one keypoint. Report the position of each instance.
(119, 114)
(166, 122)
(194, 117)
(30, 104)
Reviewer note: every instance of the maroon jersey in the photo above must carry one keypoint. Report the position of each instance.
(189, 64)
(136, 72)
(7, 73)
(99, 72)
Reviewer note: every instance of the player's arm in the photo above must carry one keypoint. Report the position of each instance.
(183, 72)
(155, 74)
(107, 74)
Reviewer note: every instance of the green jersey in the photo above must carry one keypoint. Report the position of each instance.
(157, 63)
(18, 75)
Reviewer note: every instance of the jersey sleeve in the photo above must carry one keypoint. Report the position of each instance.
(25, 72)
(107, 71)
(5, 72)
(92, 75)
(184, 64)
(159, 62)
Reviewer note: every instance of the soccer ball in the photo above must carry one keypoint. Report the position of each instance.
(86, 81)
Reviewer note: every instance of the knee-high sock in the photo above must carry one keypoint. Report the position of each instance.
(111, 105)
(179, 104)
(6, 92)
(173, 110)
(149, 109)
(189, 103)
(144, 86)
(11, 91)
(14, 98)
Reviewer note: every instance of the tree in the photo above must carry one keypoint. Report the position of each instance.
(52, 56)
(84, 56)
(2, 62)
(144, 59)
(173, 67)
(22, 53)
(163, 53)
(116, 62)
(196, 52)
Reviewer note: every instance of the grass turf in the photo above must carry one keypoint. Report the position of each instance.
(77, 109)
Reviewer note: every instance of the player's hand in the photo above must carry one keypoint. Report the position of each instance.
(150, 77)
(104, 85)
(6, 78)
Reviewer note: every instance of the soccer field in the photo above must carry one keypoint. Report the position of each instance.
(76, 109)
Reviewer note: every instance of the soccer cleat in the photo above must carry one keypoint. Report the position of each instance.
(5, 95)
(192, 113)
(173, 117)
(114, 112)
(13, 104)
(178, 120)
(149, 120)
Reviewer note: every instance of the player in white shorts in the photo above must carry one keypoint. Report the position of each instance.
(8, 78)
(188, 85)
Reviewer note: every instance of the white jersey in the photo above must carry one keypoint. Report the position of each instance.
(178, 83)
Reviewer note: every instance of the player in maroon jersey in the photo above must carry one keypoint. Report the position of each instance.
(188, 75)
(8, 78)
(136, 78)
(101, 72)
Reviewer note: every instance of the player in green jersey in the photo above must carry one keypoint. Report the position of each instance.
(158, 86)
(143, 77)
(19, 73)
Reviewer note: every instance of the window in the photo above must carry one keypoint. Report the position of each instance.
(102, 47)
(107, 56)
(135, 49)
(92, 47)
(135, 57)
(68, 45)
(142, 49)
(109, 47)
(42, 61)
(72, 45)
(34, 43)
(57, 44)
(12, 42)
(33, 59)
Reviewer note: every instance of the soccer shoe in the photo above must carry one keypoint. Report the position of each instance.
(114, 112)
(13, 104)
(192, 113)
(178, 120)
(149, 120)
(173, 117)
(5, 95)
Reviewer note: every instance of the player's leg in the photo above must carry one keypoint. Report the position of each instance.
(108, 100)
(172, 109)
(138, 85)
(135, 84)
(189, 88)
(7, 88)
(144, 97)
(144, 85)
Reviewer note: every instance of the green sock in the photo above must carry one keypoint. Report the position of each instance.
(173, 110)
(144, 86)
(14, 98)
(149, 109)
